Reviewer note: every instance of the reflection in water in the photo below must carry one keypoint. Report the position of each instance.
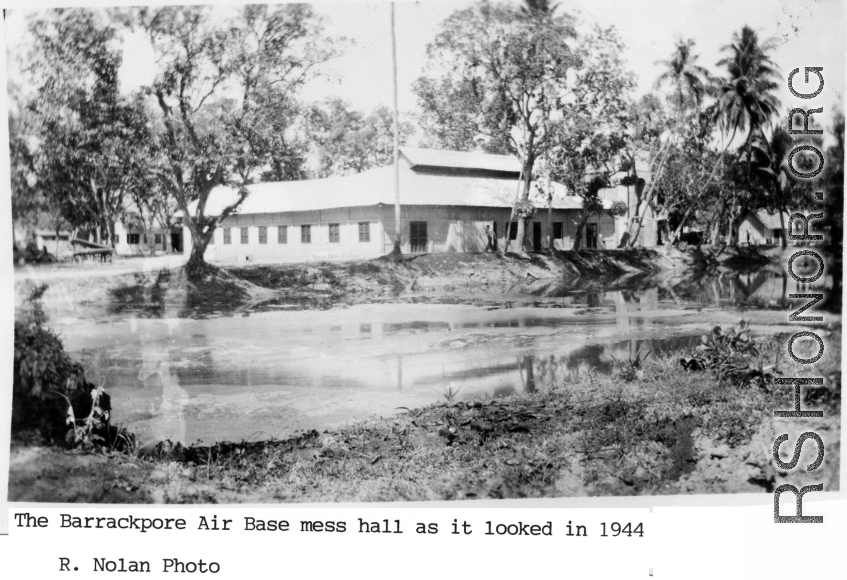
(762, 289)
(283, 369)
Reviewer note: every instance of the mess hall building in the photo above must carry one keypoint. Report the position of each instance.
(447, 200)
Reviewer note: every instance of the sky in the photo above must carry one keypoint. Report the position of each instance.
(809, 33)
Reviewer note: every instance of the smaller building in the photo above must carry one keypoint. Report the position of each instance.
(763, 228)
(65, 246)
(131, 240)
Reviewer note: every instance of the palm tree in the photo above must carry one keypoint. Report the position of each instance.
(688, 84)
(777, 170)
(544, 6)
(745, 97)
(688, 81)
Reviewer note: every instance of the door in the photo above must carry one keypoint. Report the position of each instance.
(591, 236)
(536, 236)
(418, 237)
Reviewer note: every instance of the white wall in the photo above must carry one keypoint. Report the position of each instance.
(294, 250)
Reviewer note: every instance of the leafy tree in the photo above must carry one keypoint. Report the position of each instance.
(833, 182)
(503, 70)
(589, 130)
(347, 141)
(217, 88)
(81, 126)
(583, 160)
(687, 83)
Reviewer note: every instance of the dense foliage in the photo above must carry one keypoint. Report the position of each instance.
(43, 374)
(51, 400)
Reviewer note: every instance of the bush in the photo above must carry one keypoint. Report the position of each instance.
(618, 209)
(732, 355)
(49, 391)
(524, 210)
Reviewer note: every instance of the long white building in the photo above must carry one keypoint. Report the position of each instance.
(447, 200)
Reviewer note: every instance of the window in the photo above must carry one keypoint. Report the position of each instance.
(591, 236)
(263, 234)
(133, 238)
(245, 239)
(418, 236)
(158, 238)
(227, 236)
(305, 234)
(364, 232)
(558, 230)
(334, 233)
(117, 239)
(282, 234)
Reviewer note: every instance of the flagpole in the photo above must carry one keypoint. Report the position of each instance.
(397, 232)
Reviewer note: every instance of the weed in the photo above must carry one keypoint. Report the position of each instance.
(450, 393)
(631, 368)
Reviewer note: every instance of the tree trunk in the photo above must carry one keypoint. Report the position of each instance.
(783, 211)
(520, 239)
(550, 240)
(196, 266)
(678, 231)
(109, 229)
(577, 240)
(666, 232)
(636, 221)
(505, 246)
(146, 232)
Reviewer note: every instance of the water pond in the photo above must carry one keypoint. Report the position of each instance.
(277, 368)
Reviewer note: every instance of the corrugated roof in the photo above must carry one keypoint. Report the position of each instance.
(771, 220)
(460, 160)
(376, 186)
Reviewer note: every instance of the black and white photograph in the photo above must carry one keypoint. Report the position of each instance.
(425, 251)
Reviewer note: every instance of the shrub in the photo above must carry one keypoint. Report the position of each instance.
(732, 355)
(618, 209)
(523, 210)
(49, 389)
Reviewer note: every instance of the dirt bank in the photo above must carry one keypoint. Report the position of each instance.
(157, 291)
(489, 272)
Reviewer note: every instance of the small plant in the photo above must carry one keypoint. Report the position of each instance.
(632, 368)
(450, 393)
(87, 432)
(733, 355)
